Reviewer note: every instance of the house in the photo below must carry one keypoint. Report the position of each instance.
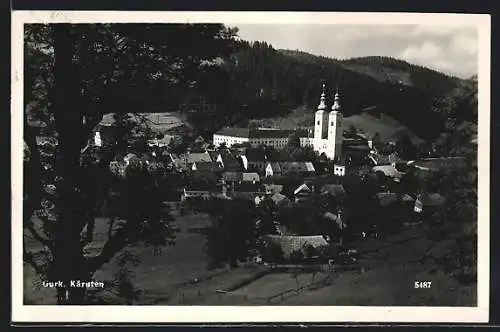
(130, 158)
(303, 168)
(302, 192)
(334, 190)
(339, 169)
(247, 190)
(273, 169)
(205, 165)
(280, 199)
(381, 159)
(387, 198)
(290, 243)
(389, 171)
(117, 168)
(302, 189)
(428, 201)
(194, 157)
(162, 142)
(271, 189)
(250, 177)
(229, 177)
(437, 164)
(228, 161)
(254, 159)
(179, 163)
(204, 175)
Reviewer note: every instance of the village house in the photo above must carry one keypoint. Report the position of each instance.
(304, 168)
(336, 191)
(389, 171)
(273, 169)
(339, 169)
(250, 177)
(302, 192)
(428, 202)
(290, 244)
(271, 189)
(205, 165)
(254, 159)
(228, 161)
(162, 142)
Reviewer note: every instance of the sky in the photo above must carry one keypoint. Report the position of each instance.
(449, 49)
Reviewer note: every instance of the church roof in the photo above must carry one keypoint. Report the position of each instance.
(234, 132)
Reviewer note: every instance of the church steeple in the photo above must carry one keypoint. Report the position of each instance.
(336, 102)
(322, 102)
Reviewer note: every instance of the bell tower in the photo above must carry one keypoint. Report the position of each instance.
(335, 130)
(321, 124)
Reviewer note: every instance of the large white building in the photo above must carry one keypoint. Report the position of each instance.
(328, 133)
(326, 138)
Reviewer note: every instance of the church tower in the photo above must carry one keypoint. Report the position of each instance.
(335, 130)
(321, 124)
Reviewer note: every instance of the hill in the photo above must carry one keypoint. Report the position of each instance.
(265, 82)
(369, 122)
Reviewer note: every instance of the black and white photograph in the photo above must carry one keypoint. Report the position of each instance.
(266, 165)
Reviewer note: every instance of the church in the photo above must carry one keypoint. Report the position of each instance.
(327, 136)
(328, 132)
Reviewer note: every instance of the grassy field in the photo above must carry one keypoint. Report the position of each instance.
(159, 277)
(386, 126)
(391, 268)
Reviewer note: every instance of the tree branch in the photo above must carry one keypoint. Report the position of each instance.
(38, 237)
(113, 245)
(28, 258)
(32, 185)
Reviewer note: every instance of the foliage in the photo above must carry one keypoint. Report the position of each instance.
(74, 74)
(405, 148)
(293, 141)
(459, 185)
(232, 234)
(272, 252)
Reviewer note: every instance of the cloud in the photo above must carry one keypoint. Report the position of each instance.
(452, 49)
(427, 51)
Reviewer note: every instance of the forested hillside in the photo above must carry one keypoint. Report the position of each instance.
(260, 82)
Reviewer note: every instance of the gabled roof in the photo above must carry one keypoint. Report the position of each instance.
(197, 157)
(246, 187)
(270, 133)
(206, 165)
(234, 132)
(274, 188)
(303, 187)
(333, 189)
(232, 176)
(388, 170)
(290, 243)
(251, 177)
(431, 199)
(274, 166)
(255, 154)
(228, 158)
(299, 166)
(277, 156)
(279, 198)
(387, 199)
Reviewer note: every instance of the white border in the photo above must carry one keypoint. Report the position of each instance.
(231, 314)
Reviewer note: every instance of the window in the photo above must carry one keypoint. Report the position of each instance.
(318, 123)
(331, 124)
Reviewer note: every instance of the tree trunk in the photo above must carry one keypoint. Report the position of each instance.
(68, 259)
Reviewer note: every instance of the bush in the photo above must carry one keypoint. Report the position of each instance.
(272, 253)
